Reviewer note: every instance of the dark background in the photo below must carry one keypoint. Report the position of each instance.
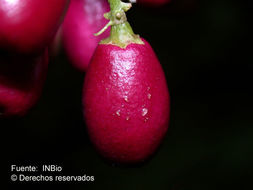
(205, 48)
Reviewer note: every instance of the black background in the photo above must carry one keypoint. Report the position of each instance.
(205, 48)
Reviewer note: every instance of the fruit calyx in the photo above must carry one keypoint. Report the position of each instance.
(121, 32)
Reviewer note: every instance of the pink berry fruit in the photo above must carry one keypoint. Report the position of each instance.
(125, 94)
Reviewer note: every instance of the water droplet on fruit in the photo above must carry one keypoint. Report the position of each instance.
(118, 113)
(127, 118)
(126, 98)
(146, 119)
(144, 111)
(149, 96)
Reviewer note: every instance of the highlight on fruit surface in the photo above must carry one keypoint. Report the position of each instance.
(28, 26)
(83, 19)
(125, 95)
(21, 82)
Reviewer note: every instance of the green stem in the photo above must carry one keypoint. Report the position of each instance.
(121, 31)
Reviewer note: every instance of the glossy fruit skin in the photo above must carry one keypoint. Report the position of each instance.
(153, 2)
(21, 82)
(83, 19)
(28, 26)
(126, 102)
